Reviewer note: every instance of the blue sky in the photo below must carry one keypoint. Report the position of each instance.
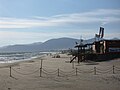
(28, 21)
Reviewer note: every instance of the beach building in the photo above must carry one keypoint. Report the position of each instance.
(100, 49)
(106, 46)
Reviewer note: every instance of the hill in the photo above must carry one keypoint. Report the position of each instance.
(52, 44)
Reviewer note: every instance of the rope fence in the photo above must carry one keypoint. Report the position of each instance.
(85, 71)
(70, 73)
(75, 72)
(55, 72)
(25, 73)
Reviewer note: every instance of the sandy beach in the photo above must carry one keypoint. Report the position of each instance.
(59, 74)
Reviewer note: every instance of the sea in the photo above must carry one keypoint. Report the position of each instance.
(19, 56)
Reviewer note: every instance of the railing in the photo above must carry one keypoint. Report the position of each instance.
(75, 72)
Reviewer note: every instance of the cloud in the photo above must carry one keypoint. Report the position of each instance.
(112, 35)
(103, 16)
(14, 37)
(10, 35)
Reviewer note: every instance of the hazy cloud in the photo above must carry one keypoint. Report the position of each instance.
(102, 16)
(14, 37)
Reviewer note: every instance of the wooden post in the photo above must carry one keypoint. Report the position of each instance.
(76, 71)
(41, 63)
(113, 69)
(9, 88)
(58, 72)
(73, 64)
(94, 70)
(78, 54)
(10, 72)
(41, 67)
(40, 72)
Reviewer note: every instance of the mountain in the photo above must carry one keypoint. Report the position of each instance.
(115, 38)
(52, 44)
(57, 44)
(21, 48)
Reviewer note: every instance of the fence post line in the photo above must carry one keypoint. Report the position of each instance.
(76, 71)
(94, 70)
(10, 72)
(58, 72)
(113, 69)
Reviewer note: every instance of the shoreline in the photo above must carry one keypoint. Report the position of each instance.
(17, 62)
(26, 75)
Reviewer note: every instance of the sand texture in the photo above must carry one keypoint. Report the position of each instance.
(59, 74)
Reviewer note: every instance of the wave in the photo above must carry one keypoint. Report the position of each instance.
(15, 57)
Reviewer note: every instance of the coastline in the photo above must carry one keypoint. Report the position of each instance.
(26, 80)
(17, 62)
